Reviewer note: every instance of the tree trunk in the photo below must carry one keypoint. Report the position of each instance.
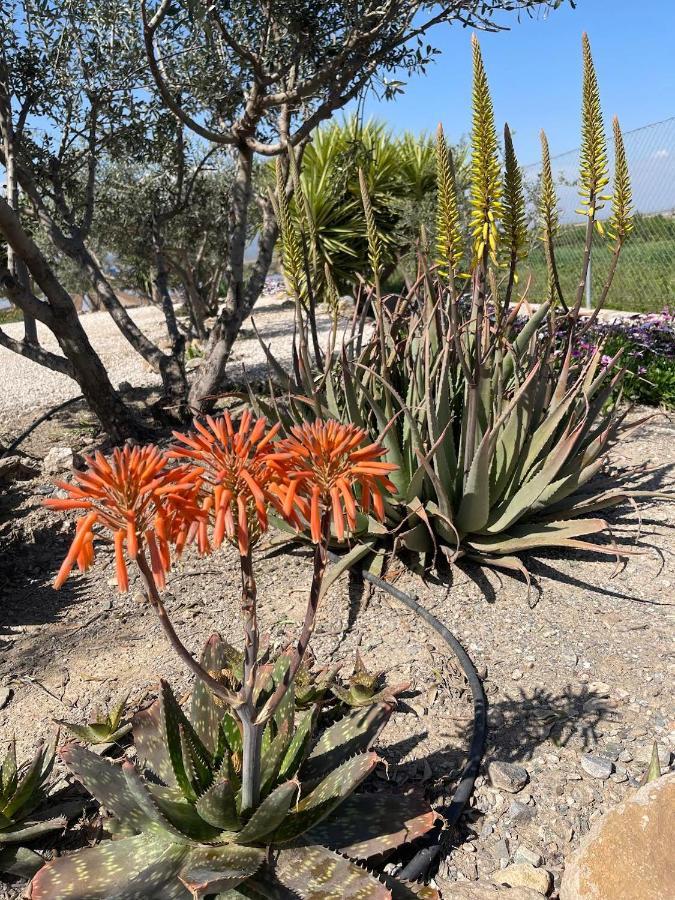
(172, 368)
(241, 297)
(58, 313)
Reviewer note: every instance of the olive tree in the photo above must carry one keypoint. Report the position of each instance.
(73, 92)
(259, 77)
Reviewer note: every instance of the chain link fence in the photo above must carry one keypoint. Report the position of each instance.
(645, 278)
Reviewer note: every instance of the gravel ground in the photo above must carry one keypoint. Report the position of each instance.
(28, 386)
(577, 687)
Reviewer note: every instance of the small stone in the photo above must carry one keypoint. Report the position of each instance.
(516, 675)
(596, 766)
(59, 459)
(502, 849)
(625, 756)
(5, 696)
(518, 813)
(530, 857)
(507, 776)
(524, 875)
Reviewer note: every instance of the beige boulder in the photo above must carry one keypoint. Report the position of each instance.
(629, 851)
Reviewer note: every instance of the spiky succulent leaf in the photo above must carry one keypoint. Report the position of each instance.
(356, 732)
(217, 805)
(206, 710)
(209, 870)
(139, 866)
(315, 873)
(151, 746)
(19, 861)
(367, 825)
(299, 746)
(326, 796)
(269, 815)
(106, 782)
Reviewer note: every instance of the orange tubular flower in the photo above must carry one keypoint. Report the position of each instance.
(318, 468)
(236, 486)
(137, 497)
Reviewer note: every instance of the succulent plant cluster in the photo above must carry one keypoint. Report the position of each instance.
(177, 817)
(496, 428)
(104, 729)
(22, 792)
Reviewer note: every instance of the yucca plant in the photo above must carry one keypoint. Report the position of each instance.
(22, 791)
(240, 797)
(495, 426)
(105, 729)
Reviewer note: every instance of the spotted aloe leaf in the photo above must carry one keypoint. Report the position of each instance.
(273, 757)
(208, 870)
(366, 825)
(299, 745)
(316, 873)
(329, 794)
(106, 781)
(354, 733)
(217, 805)
(206, 711)
(151, 746)
(186, 752)
(182, 814)
(20, 861)
(139, 866)
(269, 815)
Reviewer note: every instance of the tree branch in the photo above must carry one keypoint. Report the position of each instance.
(37, 354)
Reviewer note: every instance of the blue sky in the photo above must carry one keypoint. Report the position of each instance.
(535, 74)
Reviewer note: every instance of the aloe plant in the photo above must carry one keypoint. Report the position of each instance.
(364, 688)
(181, 830)
(22, 791)
(495, 425)
(104, 728)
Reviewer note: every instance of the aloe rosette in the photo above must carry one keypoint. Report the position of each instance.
(23, 789)
(179, 831)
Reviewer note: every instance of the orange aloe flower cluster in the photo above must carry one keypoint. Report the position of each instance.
(230, 478)
(140, 500)
(237, 483)
(319, 466)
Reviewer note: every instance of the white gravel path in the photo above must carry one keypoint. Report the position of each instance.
(25, 385)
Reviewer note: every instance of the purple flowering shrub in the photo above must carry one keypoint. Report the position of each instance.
(649, 354)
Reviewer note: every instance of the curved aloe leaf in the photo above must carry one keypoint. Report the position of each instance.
(356, 732)
(315, 873)
(139, 866)
(208, 870)
(367, 825)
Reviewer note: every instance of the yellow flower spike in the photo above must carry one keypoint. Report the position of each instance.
(621, 221)
(548, 211)
(449, 242)
(486, 187)
(593, 164)
(514, 222)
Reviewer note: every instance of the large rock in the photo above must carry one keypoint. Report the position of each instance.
(629, 851)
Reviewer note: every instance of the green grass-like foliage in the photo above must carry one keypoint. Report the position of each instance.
(22, 791)
(177, 816)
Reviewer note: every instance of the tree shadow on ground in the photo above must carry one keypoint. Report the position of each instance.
(518, 728)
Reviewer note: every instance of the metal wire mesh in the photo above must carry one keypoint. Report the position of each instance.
(645, 279)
